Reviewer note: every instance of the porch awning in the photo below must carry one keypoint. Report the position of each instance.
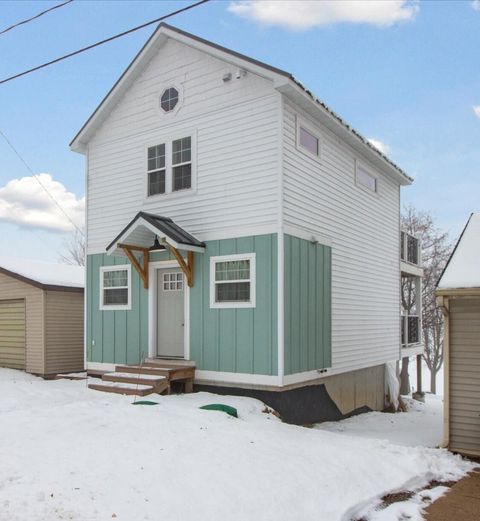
(144, 228)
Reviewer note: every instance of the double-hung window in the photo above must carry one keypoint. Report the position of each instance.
(232, 281)
(169, 166)
(182, 163)
(156, 169)
(115, 287)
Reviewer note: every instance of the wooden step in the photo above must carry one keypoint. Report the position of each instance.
(123, 388)
(173, 373)
(166, 362)
(134, 378)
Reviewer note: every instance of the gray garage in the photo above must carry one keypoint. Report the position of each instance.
(458, 295)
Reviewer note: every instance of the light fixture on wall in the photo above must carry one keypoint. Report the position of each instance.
(156, 245)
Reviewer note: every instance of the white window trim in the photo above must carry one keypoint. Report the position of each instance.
(168, 140)
(309, 128)
(368, 171)
(253, 280)
(116, 307)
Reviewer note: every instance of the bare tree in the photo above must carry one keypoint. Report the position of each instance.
(74, 249)
(436, 249)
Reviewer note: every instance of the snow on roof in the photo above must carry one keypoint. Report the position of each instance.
(49, 273)
(463, 268)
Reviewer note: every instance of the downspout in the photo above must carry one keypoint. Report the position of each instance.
(444, 305)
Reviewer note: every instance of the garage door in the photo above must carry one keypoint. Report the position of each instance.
(12, 333)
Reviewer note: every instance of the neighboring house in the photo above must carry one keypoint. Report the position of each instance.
(41, 316)
(458, 295)
(235, 221)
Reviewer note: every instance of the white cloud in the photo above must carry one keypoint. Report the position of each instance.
(476, 5)
(382, 147)
(305, 14)
(25, 203)
(476, 109)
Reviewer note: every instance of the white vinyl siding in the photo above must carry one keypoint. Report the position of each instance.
(236, 160)
(321, 199)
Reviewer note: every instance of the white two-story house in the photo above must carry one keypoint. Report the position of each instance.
(235, 221)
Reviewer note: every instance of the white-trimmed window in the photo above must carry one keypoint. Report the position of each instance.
(115, 287)
(308, 140)
(364, 178)
(170, 166)
(232, 281)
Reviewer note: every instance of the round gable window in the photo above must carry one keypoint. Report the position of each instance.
(169, 99)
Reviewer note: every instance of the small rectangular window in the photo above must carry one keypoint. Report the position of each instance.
(232, 281)
(308, 141)
(365, 179)
(156, 169)
(173, 281)
(115, 287)
(182, 164)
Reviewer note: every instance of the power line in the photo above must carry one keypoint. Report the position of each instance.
(111, 38)
(37, 177)
(35, 17)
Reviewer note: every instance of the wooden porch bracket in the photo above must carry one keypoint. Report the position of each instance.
(142, 270)
(187, 267)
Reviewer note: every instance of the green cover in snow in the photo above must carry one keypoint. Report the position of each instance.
(221, 407)
(145, 402)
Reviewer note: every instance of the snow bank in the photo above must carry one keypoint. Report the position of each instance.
(68, 452)
(463, 270)
(45, 272)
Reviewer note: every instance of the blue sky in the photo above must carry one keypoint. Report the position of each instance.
(411, 85)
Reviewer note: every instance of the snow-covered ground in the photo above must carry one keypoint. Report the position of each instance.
(67, 452)
(421, 425)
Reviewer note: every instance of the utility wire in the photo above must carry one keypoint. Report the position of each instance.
(37, 177)
(3, 31)
(111, 38)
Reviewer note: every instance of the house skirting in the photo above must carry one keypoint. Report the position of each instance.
(330, 398)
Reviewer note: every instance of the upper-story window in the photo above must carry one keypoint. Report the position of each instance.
(169, 99)
(156, 169)
(365, 179)
(182, 163)
(170, 166)
(308, 140)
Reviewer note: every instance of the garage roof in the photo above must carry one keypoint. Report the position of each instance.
(463, 267)
(45, 275)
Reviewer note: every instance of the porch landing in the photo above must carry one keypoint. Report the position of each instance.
(153, 376)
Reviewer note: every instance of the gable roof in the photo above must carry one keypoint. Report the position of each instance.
(283, 81)
(463, 266)
(144, 227)
(44, 275)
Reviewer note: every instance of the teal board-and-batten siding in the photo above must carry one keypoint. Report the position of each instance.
(242, 340)
(308, 309)
(121, 336)
(239, 340)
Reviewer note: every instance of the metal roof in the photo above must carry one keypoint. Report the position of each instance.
(160, 226)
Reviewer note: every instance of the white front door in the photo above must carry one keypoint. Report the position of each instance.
(170, 313)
